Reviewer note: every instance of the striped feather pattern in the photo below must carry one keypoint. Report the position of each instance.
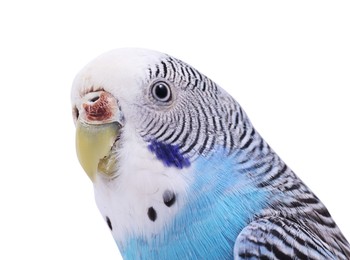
(195, 124)
(296, 225)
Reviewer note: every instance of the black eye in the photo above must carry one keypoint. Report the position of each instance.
(161, 91)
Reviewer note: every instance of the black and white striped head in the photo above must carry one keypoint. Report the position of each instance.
(164, 100)
(142, 119)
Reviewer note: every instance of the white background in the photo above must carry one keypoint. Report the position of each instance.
(288, 64)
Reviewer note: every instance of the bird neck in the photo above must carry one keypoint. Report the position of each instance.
(215, 210)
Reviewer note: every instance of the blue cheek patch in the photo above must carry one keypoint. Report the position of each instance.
(169, 154)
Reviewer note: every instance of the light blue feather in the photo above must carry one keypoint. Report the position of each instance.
(222, 201)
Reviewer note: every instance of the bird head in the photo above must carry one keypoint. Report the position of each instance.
(164, 103)
(147, 128)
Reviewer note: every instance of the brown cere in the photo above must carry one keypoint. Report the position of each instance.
(100, 110)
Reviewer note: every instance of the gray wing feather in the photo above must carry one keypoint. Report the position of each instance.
(280, 238)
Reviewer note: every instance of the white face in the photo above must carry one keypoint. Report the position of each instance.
(121, 72)
(144, 194)
(170, 115)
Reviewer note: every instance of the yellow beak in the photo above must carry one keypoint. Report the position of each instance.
(93, 146)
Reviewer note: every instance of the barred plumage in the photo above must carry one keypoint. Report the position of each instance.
(199, 117)
(295, 217)
(238, 197)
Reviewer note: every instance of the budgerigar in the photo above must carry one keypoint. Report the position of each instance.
(179, 172)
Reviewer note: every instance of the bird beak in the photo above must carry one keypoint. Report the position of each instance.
(97, 129)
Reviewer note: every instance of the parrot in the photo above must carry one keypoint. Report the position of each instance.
(179, 172)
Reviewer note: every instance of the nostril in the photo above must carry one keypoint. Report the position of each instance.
(94, 99)
(98, 106)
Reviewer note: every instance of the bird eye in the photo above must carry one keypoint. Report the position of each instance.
(161, 91)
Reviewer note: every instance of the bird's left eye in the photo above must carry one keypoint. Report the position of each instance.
(161, 91)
